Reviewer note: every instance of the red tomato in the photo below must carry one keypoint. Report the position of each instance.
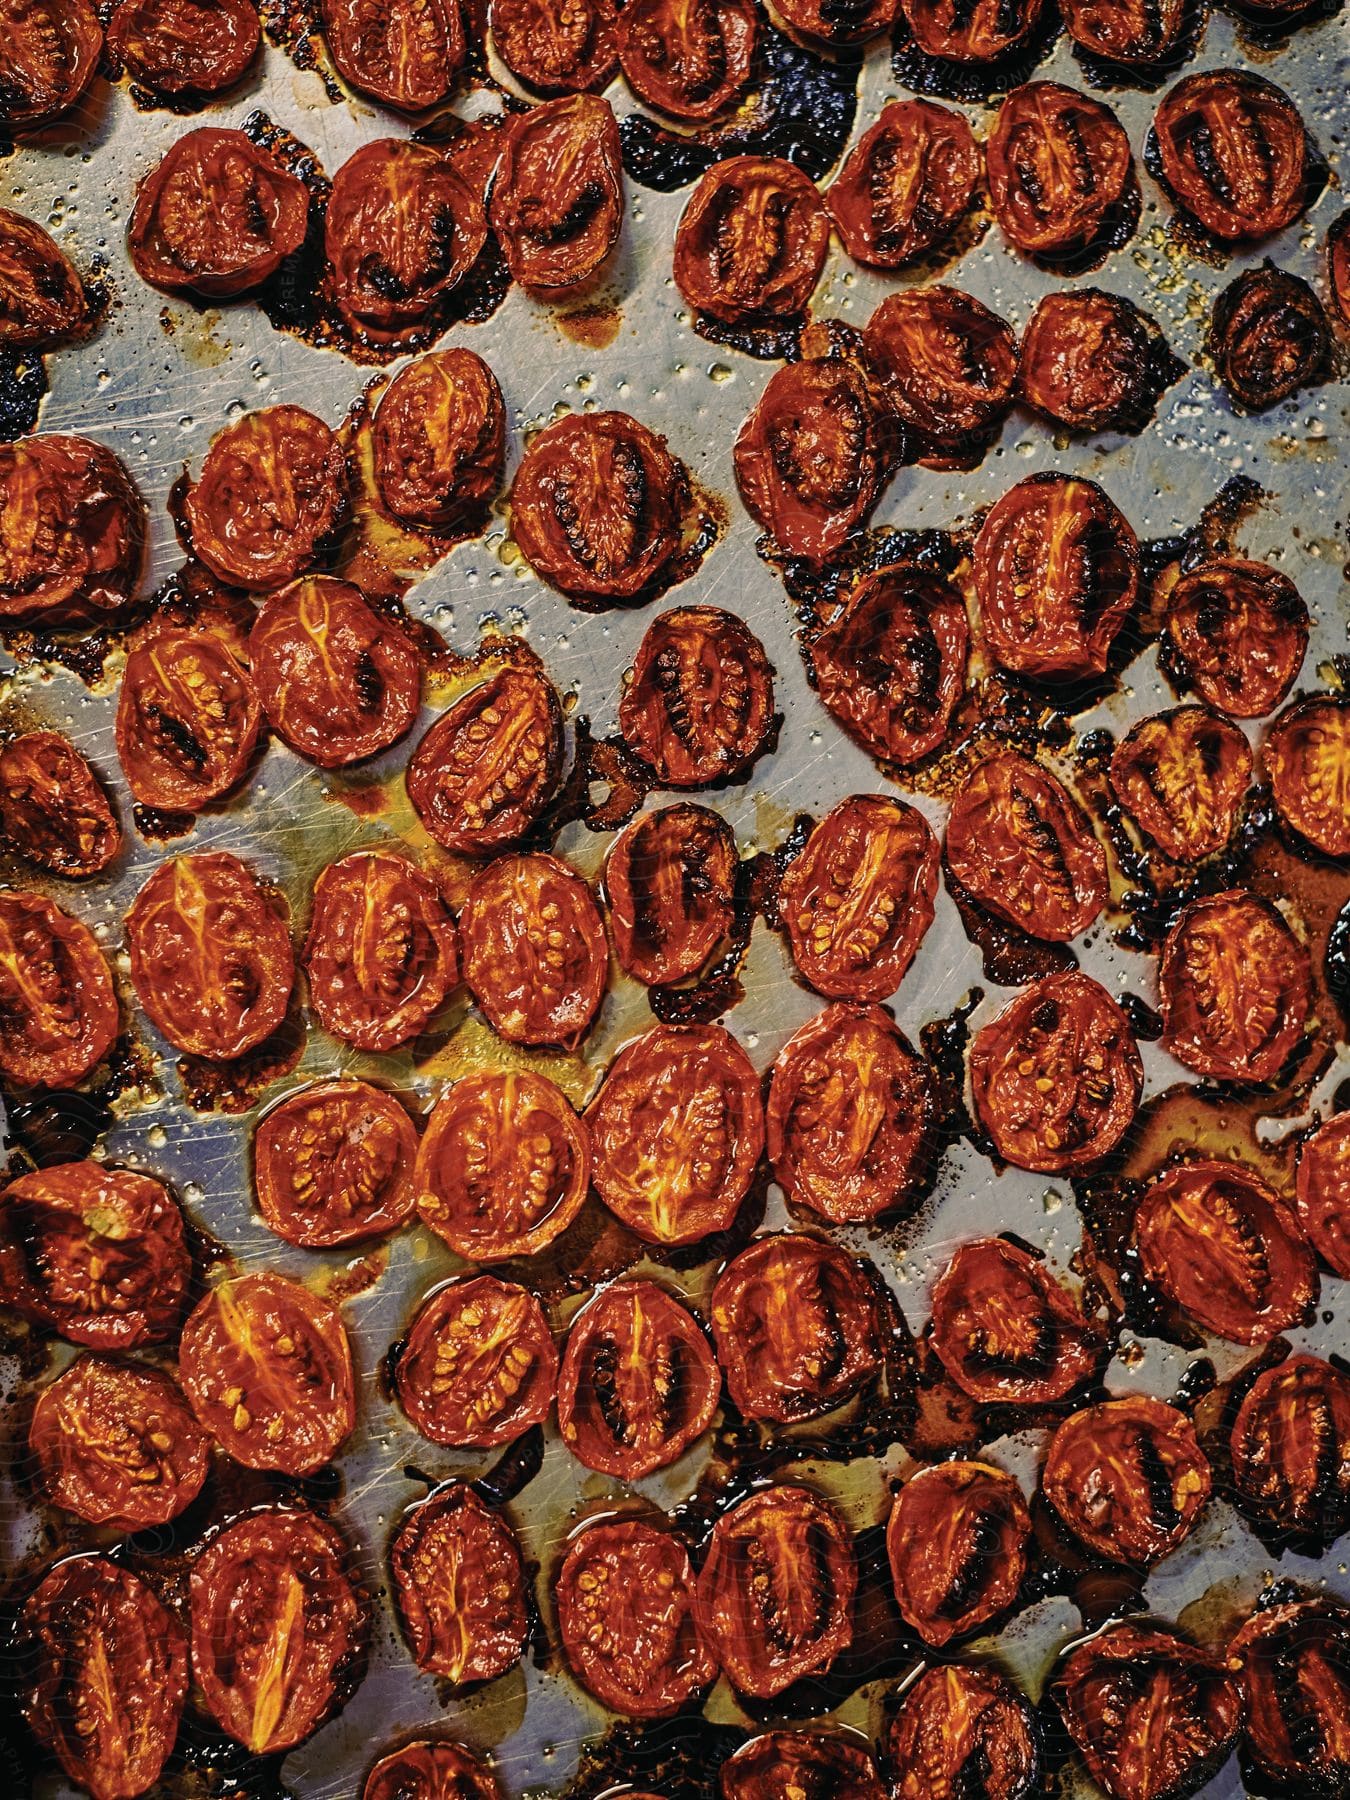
(1234, 988)
(557, 196)
(571, 49)
(1060, 171)
(751, 242)
(53, 808)
(958, 1727)
(52, 49)
(947, 365)
(670, 882)
(185, 48)
(42, 299)
(1290, 1451)
(957, 1539)
(533, 943)
(1338, 266)
(676, 1132)
(1006, 1331)
(439, 440)
(906, 184)
(57, 1001)
(959, 32)
(1307, 761)
(1239, 631)
(72, 533)
(1295, 1662)
(267, 1369)
(689, 62)
(1269, 336)
(408, 54)
(1094, 362)
(479, 1366)
(782, 1765)
(333, 1164)
(431, 1771)
(459, 1587)
(1181, 777)
(188, 718)
(485, 771)
(1233, 153)
(1323, 1192)
(1128, 1478)
(1133, 32)
(829, 21)
(698, 704)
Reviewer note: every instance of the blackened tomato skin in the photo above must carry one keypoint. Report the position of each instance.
(1128, 1478)
(751, 241)
(1060, 171)
(42, 299)
(781, 1765)
(1290, 1451)
(459, 1586)
(982, 33)
(479, 1366)
(1268, 337)
(534, 952)
(552, 49)
(431, 1769)
(688, 62)
(185, 47)
(1234, 153)
(1234, 987)
(439, 440)
(333, 1164)
(698, 705)
(960, 1724)
(670, 884)
(54, 810)
(957, 1542)
(557, 201)
(1295, 1671)
(188, 720)
(1307, 762)
(1181, 777)
(407, 54)
(57, 998)
(1092, 361)
(906, 185)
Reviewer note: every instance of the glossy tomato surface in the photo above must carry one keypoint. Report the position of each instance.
(52, 49)
(906, 185)
(1181, 776)
(1239, 631)
(557, 200)
(42, 299)
(479, 1366)
(439, 440)
(947, 364)
(459, 1586)
(670, 885)
(407, 54)
(553, 49)
(1128, 1478)
(72, 532)
(1295, 1661)
(1234, 153)
(1092, 361)
(1060, 171)
(780, 1765)
(185, 48)
(1234, 988)
(533, 950)
(956, 1540)
(431, 1769)
(57, 1000)
(1323, 1192)
(1133, 32)
(1290, 1450)
(188, 719)
(1006, 1331)
(1307, 761)
(1268, 337)
(961, 33)
(751, 241)
(689, 62)
(488, 767)
(959, 1725)
(698, 705)
(333, 1164)
(54, 810)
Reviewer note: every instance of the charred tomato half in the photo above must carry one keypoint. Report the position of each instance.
(1128, 1478)
(956, 1540)
(1234, 988)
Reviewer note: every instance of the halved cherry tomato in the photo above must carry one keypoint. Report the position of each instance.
(971, 31)
(956, 1539)
(551, 49)
(1133, 32)
(1296, 1681)
(1223, 1247)
(267, 1369)
(596, 506)
(1290, 1450)
(1307, 761)
(188, 719)
(211, 957)
(110, 1676)
(403, 229)
(557, 196)
(638, 1383)
(676, 1132)
(1092, 361)
(1128, 1478)
(115, 1444)
(751, 241)
(72, 532)
(670, 881)
(1234, 153)
(504, 1166)
(1181, 776)
(439, 439)
(42, 299)
(98, 1254)
(479, 1366)
(1240, 630)
(1268, 337)
(801, 1765)
(892, 667)
(487, 768)
(534, 952)
(407, 54)
(1020, 844)
(906, 184)
(810, 460)
(838, 21)
(333, 1164)
(278, 1627)
(54, 810)
(1234, 988)
(1060, 171)
(338, 680)
(1323, 1192)
(1056, 576)
(851, 1115)
(775, 1595)
(625, 1600)
(698, 704)
(1151, 1716)
(58, 1007)
(459, 1586)
(1338, 267)
(431, 1770)
(958, 1727)
(1006, 1331)
(185, 48)
(52, 49)
(215, 216)
(688, 61)
(948, 365)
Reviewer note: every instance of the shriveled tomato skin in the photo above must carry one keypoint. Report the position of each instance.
(42, 299)
(958, 1723)
(1132, 32)
(1092, 361)
(670, 886)
(211, 957)
(185, 48)
(982, 33)
(278, 1627)
(1322, 1190)
(779, 1765)
(1307, 762)
(110, 1676)
(487, 768)
(459, 1586)
(1290, 1450)
(557, 201)
(1268, 337)
(439, 440)
(689, 62)
(333, 1164)
(58, 1006)
(1128, 1478)
(54, 810)
(551, 49)
(906, 185)
(956, 1540)
(479, 1366)
(188, 720)
(52, 50)
(699, 705)
(625, 1599)
(1233, 153)
(1060, 170)
(1234, 988)
(407, 54)
(751, 241)
(533, 947)
(1006, 1331)
(1239, 631)
(947, 364)
(72, 532)
(1181, 776)
(431, 1769)
(1295, 1673)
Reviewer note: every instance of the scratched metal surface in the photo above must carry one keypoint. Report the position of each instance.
(160, 377)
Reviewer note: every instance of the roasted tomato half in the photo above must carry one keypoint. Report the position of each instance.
(1056, 1077)
(751, 241)
(960, 1728)
(638, 1383)
(783, 1765)
(1338, 267)
(676, 1132)
(956, 1539)
(1056, 576)
(98, 1254)
(1020, 844)
(1290, 1451)
(906, 185)
(459, 1586)
(1307, 761)
(597, 506)
(185, 48)
(439, 440)
(188, 719)
(688, 61)
(1181, 777)
(1296, 1681)
(1128, 1478)
(58, 1007)
(557, 195)
(488, 767)
(42, 299)
(851, 1115)
(504, 1165)
(551, 49)
(278, 1627)
(810, 460)
(625, 1600)
(52, 49)
(892, 666)
(1060, 171)
(947, 364)
(1151, 1716)
(215, 216)
(333, 1164)
(72, 532)
(431, 1770)
(211, 957)
(1234, 153)
(798, 1327)
(479, 1366)
(1220, 1245)
(1133, 32)
(109, 1678)
(534, 952)
(1268, 337)
(775, 1595)
(1323, 1192)
(54, 810)
(980, 32)
(838, 22)
(1006, 1331)
(670, 882)
(115, 1444)
(1239, 630)
(407, 54)
(267, 1368)
(698, 703)
(1234, 988)
(1092, 361)
(403, 229)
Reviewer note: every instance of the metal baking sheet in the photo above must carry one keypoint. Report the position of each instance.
(156, 381)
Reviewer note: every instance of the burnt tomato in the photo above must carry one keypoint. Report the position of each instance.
(459, 1586)
(947, 364)
(698, 703)
(188, 719)
(1239, 631)
(816, 1765)
(557, 195)
(670, 882)
(439, 440)
(837, 22)
(1128, 1478)
(960, 1726)
(1290, 1450)
(487, 768)
(906, 184)
(1092, 361)
(1338, 267)
(407, 54)
(751, 242)
(1295, 1663)
(1061, 174)
(42, 299)
(72, 533)
(1181, 776)
(58, 1007)
(431, 1769)
(1234, 988)
(1268, 337)
(1307, 760)
(1234, 153)
(552, 49)
(971, 31)
(185, 48)
(1133, 32)
(534, 952)
(333, 1164)
(688, 61)
(54, 810)
(956, 1539)
(52, 49)
(1323, 1192)
(1006, 1331)
(479, 1366)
